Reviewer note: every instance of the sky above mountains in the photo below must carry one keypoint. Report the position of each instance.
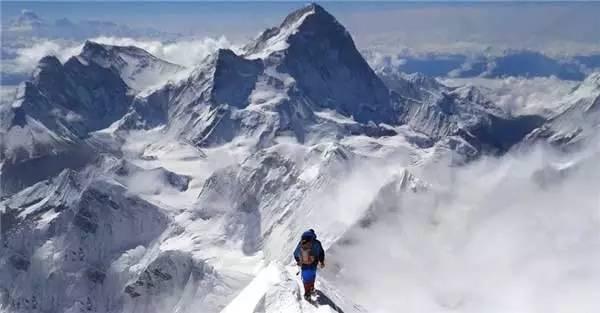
(414, 25)
(385, 32)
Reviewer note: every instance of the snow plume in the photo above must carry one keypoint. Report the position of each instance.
(520, 233)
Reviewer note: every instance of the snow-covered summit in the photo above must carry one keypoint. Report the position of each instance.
(138, 68)
(314, 68)
(276, 39)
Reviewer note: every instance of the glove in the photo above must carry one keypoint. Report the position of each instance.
(322, 265)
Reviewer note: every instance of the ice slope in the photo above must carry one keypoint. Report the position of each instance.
(578, 117)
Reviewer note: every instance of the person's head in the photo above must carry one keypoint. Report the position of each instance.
(308, 235)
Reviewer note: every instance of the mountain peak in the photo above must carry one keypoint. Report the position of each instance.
(92, 46)
(310, 20)
(316, 50)
(49, 61)
(137, 67)
(49, 71)
(310, 9)
(27, 19)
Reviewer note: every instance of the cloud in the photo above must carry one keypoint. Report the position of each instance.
(517, 233)
(379, 61)
(187, 52)
(539, 95)
(27, 57)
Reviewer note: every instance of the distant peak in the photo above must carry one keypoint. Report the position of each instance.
(93, 49)
(27, 18)
(225, 53)
(49, 61)
(91, 46)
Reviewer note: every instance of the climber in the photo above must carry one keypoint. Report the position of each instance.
(308, 254)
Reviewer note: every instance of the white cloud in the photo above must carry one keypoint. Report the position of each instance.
(188, 52)
(185, 52)
(378, 60)
(7, 94)
(510, 234)
(27, 57)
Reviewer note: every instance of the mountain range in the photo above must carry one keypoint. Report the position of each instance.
(132, 184)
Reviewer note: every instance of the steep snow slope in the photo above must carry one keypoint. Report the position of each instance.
(82, 242)
(461, 117)
(578, 118)
(66, 234)
(138, 68)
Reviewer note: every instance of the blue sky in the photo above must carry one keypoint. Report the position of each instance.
(242, 18)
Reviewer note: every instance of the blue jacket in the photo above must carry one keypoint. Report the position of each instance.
(316, 250)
